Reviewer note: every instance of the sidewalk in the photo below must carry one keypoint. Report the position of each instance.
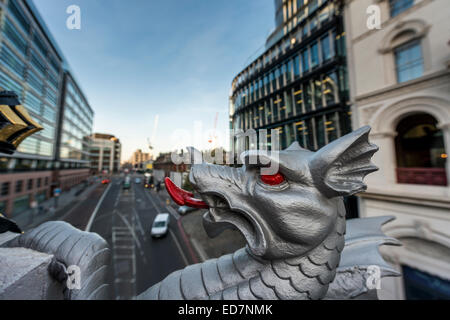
(206, 248)
(31, 218)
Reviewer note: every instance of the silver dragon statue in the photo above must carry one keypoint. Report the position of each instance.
(299, 245)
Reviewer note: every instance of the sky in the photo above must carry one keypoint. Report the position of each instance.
(160, 69)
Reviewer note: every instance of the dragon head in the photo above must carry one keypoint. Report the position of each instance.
(291, 212)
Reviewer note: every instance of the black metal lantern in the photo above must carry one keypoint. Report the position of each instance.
(15, 122)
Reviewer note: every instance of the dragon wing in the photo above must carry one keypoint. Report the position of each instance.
(362, 241)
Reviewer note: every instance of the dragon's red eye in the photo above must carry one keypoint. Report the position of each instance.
(272, 180)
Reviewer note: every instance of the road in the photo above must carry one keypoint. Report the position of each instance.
(124, 219)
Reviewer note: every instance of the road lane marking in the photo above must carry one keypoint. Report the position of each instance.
(152, 201)
(170, 232)
(179, 247)
(97, 207)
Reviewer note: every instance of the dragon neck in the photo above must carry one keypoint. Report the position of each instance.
(304, 277)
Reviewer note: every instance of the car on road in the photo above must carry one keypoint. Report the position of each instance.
(160, 225)
(127, 183)
(137, 180)
(106, 181)
(185, 210)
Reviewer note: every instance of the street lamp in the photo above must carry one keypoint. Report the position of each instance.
(15, 122)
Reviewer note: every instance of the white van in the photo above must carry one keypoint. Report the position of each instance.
(160, 225)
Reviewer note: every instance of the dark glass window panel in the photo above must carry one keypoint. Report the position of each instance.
(326, 48)
(314, 24)
(266, 85)
(19, 186)
(330, 88)
(299, 127)
(331, 126)
(305, 61)
(262, 114)
(30, 184)
(308, 134)
(289, 71)
(282, 107)
(278, 76)
(9, 59)
(282, 75)
(37, 62)
(14, 36)
(289, 104)
(314, 55)
(409, 61)
(320, 130)
(276, 108)
(40, 44)
(5, 188)
(313, 5)
(290, 134)
(318, 94)
(269, 114)
(298, 99)
(420, 143)
(283, 142)
(398, 6)
(308, 96)
(297, 66)
(18, 13)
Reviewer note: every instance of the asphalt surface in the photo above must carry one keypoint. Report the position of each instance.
(124, 219)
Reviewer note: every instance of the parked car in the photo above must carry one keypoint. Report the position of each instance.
(137, 180)
(185, 210)
(160, 225)
(106, 181)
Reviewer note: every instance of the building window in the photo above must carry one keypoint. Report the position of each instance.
(39, 182)
(420, 285)
(398, 6)
(420, 149)
(409, 61)
(326, 49)
(314, 55)
(19, 185)
(30, 184)
(296, 67)
(305, 61)
(5, 188)
(308, 96)
(46, 181)
(20, 205)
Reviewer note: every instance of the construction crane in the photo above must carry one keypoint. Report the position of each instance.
(155, 127)
(213, 137)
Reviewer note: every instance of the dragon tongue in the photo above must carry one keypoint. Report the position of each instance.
(183, 197)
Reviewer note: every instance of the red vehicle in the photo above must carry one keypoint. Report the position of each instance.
(106, 181)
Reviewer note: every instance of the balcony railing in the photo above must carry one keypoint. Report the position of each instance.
(426, 176)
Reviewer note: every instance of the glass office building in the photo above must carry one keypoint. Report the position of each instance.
(76, 126)
(299, 84)
(32, 65)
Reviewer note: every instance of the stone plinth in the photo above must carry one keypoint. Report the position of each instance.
(24, 275)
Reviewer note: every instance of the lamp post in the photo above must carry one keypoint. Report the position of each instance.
(15, 122)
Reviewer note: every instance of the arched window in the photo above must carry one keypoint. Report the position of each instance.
(421, 155)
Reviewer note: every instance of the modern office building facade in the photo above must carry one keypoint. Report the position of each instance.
(299, 84)
(400, 86)
(32, 65)
(73, 140)
(105, 153)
